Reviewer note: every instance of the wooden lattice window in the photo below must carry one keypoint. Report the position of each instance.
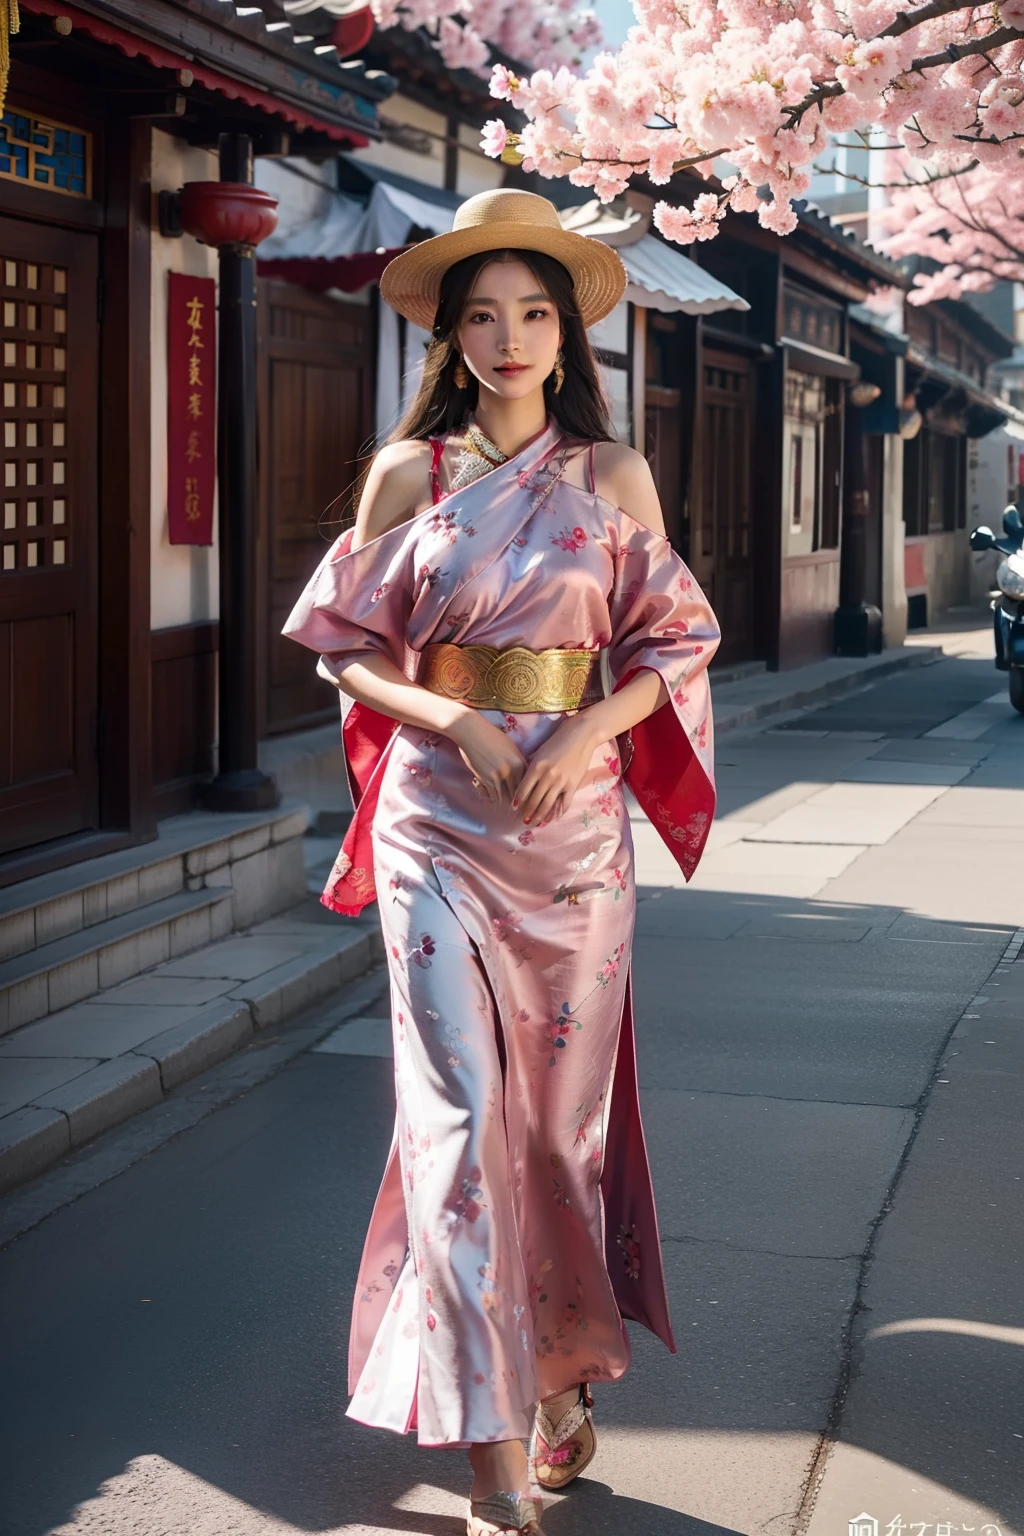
(36, 513)
(45, 154)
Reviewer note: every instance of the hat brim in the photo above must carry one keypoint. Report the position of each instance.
(411, 283)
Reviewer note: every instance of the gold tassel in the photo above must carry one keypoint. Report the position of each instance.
(10, 22)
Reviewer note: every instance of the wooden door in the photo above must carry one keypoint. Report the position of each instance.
(721, 541)
(663, 449)
(316, 382)
(48, 574)
(668, 417)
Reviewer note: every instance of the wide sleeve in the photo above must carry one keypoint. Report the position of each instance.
(661, 619)
(356, 604)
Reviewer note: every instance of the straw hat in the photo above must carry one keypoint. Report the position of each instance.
(495, 221)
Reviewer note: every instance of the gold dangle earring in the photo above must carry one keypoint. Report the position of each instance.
(460, 375)
(559, 373)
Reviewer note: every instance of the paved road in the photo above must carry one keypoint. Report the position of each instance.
(839, 1178)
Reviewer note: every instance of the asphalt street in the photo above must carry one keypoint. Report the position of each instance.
(831, 1069)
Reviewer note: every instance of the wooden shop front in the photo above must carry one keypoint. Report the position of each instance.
(104, 709)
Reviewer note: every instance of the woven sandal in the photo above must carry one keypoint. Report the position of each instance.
(501, 1511)
(560, 1452)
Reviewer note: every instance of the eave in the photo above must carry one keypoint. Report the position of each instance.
(237, 57)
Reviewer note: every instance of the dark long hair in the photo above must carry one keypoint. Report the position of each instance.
(441, 406)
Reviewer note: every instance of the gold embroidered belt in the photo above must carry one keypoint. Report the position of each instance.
(514, 679)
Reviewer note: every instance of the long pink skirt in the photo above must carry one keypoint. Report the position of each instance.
(508, 947)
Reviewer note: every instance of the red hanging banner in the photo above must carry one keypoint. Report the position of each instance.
(191, 408)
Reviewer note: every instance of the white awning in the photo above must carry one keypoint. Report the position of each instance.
(392, 212)
(660, 276)
(320, 223)
(664, 279)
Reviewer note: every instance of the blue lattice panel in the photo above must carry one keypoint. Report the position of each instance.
(42, 154)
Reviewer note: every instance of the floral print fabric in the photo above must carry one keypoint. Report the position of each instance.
(515, 1227)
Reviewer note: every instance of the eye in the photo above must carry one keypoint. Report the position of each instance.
(481, 314)
(535, 314)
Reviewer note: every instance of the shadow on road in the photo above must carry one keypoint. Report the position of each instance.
(177, 1338)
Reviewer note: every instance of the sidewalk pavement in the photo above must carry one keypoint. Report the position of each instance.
(66, 1078)
(746, 700)
(73, 1075)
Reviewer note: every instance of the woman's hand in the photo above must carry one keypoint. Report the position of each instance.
(556, 770)
(492, 757)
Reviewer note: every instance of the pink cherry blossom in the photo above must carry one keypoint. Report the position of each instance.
(762, 86)
(494, 137)
(972, 225)
(542, 33)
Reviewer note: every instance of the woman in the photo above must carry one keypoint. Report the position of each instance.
(506, 619)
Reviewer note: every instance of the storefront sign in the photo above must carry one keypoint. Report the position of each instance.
(191, 408)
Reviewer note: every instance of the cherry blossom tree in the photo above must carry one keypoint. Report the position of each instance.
(548, 34)
(971, 225)
(763, 84)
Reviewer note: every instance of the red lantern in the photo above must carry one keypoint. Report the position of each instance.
(353, 31)
(227, 212)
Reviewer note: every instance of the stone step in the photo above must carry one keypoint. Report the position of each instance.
(73, 1075)
(56, 975)
(735, 672)
(190, 851)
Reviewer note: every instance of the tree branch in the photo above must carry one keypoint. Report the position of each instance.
(864, 141)
(819, 94)
(971, 219)
(978, 138)
(905, 185)
(814, 98)
(709, 154)
(910, 19)
(679, 165)
(957, 51)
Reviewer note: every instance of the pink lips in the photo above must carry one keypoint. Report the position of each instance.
(510, 369)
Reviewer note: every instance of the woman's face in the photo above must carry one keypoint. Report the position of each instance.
(510, 331)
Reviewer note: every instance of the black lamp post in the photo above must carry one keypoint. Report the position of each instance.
(235, 216)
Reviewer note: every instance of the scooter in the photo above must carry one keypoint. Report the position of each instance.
(1008, 602)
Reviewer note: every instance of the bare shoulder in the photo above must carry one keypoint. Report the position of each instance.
(624, 478)
(401, 469)
(397, 487)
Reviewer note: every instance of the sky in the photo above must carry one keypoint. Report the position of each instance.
(616, 17)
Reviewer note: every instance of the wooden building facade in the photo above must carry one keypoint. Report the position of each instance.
(108, 633)
(761, 428)
(741, 402)
(951, 348)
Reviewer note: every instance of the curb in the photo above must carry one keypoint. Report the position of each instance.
(835, 687)
(38, 1136)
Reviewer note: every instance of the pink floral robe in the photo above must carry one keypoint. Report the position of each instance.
(515, 1227)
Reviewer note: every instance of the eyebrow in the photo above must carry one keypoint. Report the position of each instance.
(530, 298)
